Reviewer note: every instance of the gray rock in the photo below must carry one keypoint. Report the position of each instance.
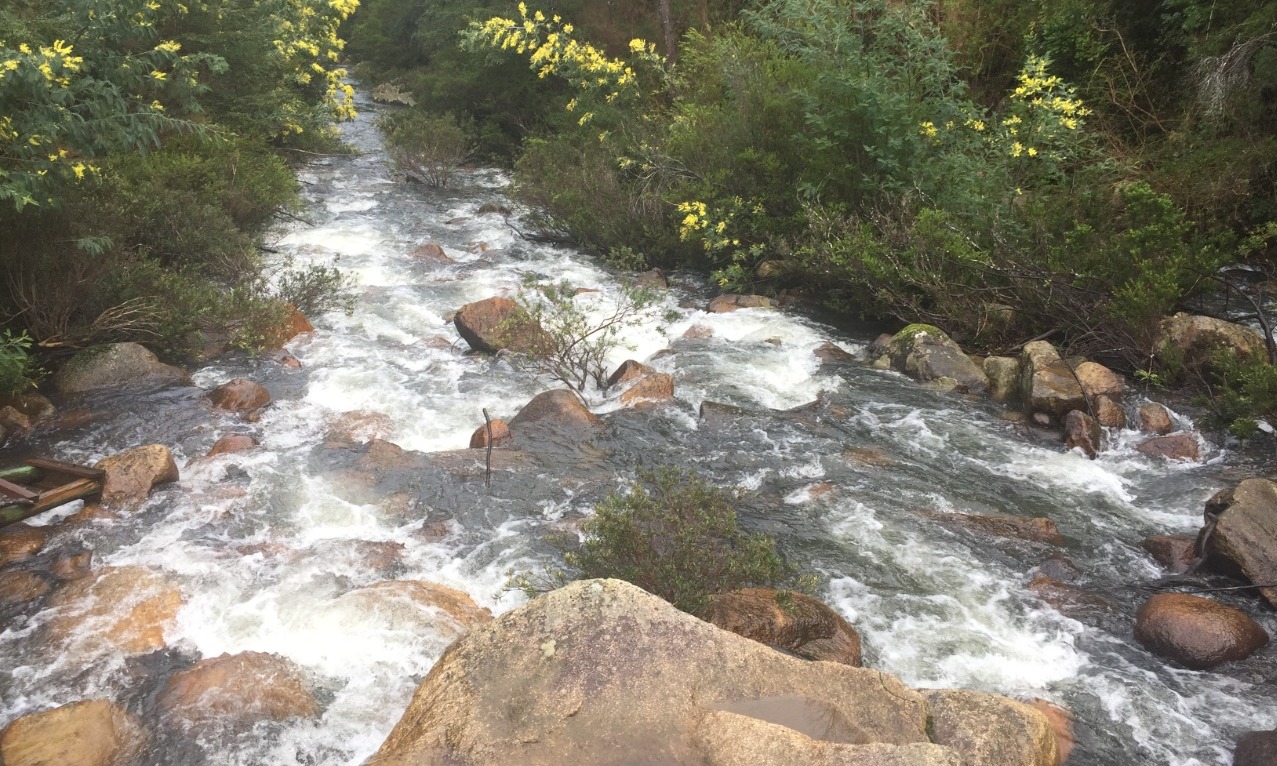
(1245, 536)
(1083, 431)
(116, 364)
(1195, 338)
(926, 353)
(1047, 383)
(1004, 377)
(987, 728)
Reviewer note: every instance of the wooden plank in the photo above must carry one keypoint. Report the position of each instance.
(16, 490)
(75, 490)
(25, 474)
(67, 468)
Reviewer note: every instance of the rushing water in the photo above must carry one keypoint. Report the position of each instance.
(267, 544)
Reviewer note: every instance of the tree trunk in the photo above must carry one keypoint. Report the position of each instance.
(667, 26)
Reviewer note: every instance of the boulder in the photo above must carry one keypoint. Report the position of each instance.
(240, 395)
(293, 325)
(18, 586)
(558, 409)
(417, 605)
(1195, 338)
(348, 429)
(1033, 529)
(500, 434)
(119, 610)
(493, 208)
(392, 93)
(1174, 552)
(431, 252)
(791, 621)
(598, 671)
(1059, 568)
(13, 421)
(1155, 419)
(653, 279)
(828, 353)
(1069, 599)
(1061, 722)
(1083, 432)
(1245, 536)
(131, 474)
(34, 406)
(116, 364)
(497, 323)
(87, 733)
(236, 691)
(925, 353)
(641, 383)
(1256, 748)
(1098, 380)
(1196, 632)
(20, 541)
(698, 332)
(231, 443)
(1181, 446)
(1047, 383)
(728, 302)
(1004, 377)
(1108, 413)
(987, 728)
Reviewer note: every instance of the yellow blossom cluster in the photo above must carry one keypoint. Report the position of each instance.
(710, 226)
(306, 38)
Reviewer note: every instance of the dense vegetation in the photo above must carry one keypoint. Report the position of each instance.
(1003, 169)
(140, 160)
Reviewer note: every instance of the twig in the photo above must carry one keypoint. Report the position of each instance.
(487, 458)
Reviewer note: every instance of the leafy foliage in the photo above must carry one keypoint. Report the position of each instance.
(17, 371)
(428, 149)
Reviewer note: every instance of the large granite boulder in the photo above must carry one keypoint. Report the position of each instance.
(1197, 632)
(792, 621)
(1047, 383)
(601, 672)
(987, 728)
(497, 323)
(1245, 535)
(926, 353)
(1196, 338)
(236, 691)
(87, 733)
(131, 474)
(116, 364)
(1004, 377)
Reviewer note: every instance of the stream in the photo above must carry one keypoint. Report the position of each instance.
(264, 544)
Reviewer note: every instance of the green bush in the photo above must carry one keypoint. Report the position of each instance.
(428, 149)
(17, 371)
(676, 536)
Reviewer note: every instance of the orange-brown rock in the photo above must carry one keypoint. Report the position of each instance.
(231, 443)
(643, 384)
(1108, 412)
(1155, 419)
(131, 474)
(1068, 599)
(381, 455)
(557, 409)
(407, 599)
(121, 610)
(791, 621)
(1034, 529)
(431, 252)
(87, 733)
(1098, 380)
(828, 353)
(497, 323)
(989, 729)
(1197, 632)
(1180, 446)
(1175, 552)
(358, 427)
(727, 302)
(240, 395)
(500, 434)
(237, 690)
(698, 332)
(18, 586)
(19, 541)
(294, 324)
(653, 279)
(869, 456)
(1061, 722)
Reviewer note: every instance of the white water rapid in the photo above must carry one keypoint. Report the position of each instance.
(267, 545)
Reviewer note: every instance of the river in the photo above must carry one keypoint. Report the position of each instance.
(265, 543)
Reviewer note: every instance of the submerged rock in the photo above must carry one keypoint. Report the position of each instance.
(1197, 632)
(18, 586)
(119, 610)
(87, 733)
(1181, 446)
(236, 691)
(1037, 529)
(20, 541)
(602, 672)
(116, 364)
(792, 621)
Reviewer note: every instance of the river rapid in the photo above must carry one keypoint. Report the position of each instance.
(265, 543)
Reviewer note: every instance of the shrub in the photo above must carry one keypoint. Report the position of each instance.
(17, 371)
(428, 149)
(676, 536)
(317, 288)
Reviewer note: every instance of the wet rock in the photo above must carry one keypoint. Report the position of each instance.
(392, 93)
(119, 610)
(431, 252)
(1069, 599)
(792, 621)
(236, 691)
(728, 302)
(14, 422)
(653, 279)
(1061, 723)
(1083, 432)
(469, 464)
(1042, 419)
(989, 729)
(1196, 632)
(925, 353)
(698, 332)
(1256, 748)
(869, 457)
(1059, 568)
(285, 359)
(358, 427)
(18, 586)
(231, 443)
(1181, 446)
(641, 384)
(410, 602)
(381, 456)
(881, 346)
(828, 353)
(600, 667)
(1175, 553)
(1004, 377)
(116, 364)
(1109, 413)
(20, 541)
(294, 324)
(240, 395)
(1098, 380)
(1047, 383)
(718, 414)
(559, 409)
(497, 323)
(1245, 536)
(32, 405)
(87, 733)
(72, 566)
(131, 474)
(500, 434)
(1033, 529)
(1196, 338)
(493, 208)
(1155, 419)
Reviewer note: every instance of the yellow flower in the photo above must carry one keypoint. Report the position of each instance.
(928, 129)
(157, 74)
(78, 168)
(637, 45)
